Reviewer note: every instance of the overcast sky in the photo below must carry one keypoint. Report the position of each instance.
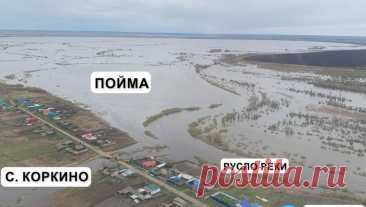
(325, 17)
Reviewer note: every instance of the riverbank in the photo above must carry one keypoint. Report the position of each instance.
(342, 70)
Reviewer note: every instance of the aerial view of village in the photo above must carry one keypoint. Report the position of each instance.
(212, 96)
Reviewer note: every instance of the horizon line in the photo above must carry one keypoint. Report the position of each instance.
(180, 33)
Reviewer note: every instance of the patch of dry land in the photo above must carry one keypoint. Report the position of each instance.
(342, 69)
(103, 192)
(166, 112)
(25, 141)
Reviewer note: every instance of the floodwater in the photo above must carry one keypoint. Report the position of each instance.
(62, 66)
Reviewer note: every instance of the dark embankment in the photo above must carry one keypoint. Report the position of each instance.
(339, 58)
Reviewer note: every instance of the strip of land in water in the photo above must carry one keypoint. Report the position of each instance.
(149, 120)
(336, 58)
(343, 69)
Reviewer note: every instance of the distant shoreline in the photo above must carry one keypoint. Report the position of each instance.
(336, 58)
(280, 37)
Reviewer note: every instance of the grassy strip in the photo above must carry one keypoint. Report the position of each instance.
(167, 112)
(213, 106)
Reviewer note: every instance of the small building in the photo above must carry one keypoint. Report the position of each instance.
(143, 194)
(152, 189)
(126, 191)
(79, 147)
(6, 108)
(4, 105)
(31, 120)
(186, 176)
(46, 130)
(35, 107)
(193, 183)
(68, 143)
(45, 112)
(67, 125)
(149, 163)
(51, 115)
(161, 165)
(176, 180)
(179, 202)
(103, 142)
(155, 171)
(64, 145)
(89, 136)
(24, 101)
(126, 172)
(76, 149)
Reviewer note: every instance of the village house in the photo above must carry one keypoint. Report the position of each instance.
(148, 191)
(149, 163)
(177, 202)
(72, 147)
(88, 136)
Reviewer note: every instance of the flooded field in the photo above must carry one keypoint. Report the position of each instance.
(241, 109)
